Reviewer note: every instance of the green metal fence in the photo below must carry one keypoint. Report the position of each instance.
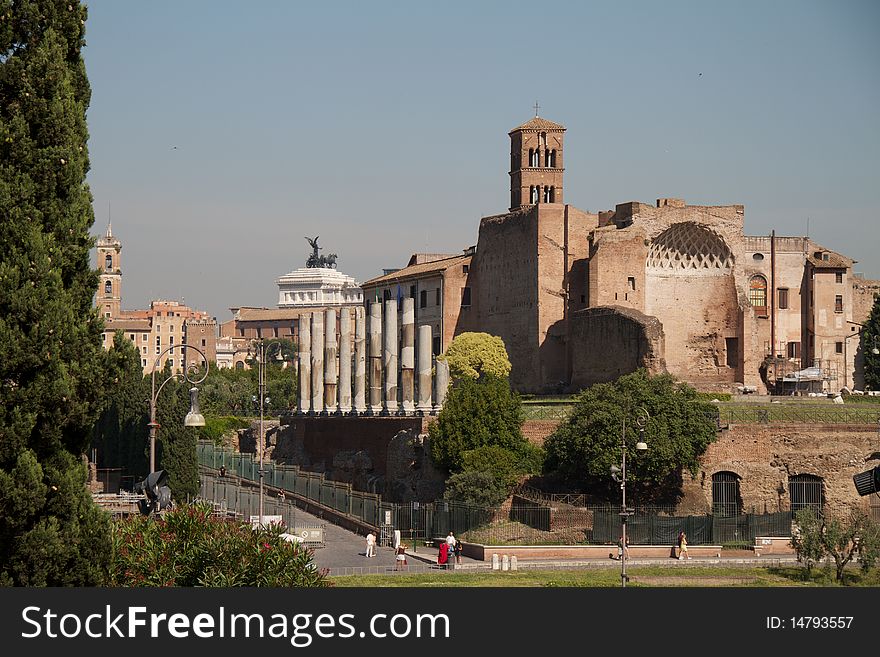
(338, 496)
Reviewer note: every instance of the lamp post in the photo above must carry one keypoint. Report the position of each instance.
(193, 418)
(260, 356)
(619, 475)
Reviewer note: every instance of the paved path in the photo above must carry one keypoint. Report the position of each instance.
(343, 554)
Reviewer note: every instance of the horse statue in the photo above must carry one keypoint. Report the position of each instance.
(329, 261)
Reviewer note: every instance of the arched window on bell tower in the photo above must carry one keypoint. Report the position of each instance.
(533, 194)
(108, 289)
(108, 262)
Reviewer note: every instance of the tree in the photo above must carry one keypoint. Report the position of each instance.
(471, 354)
(120, 436)
(583, 448)
(840, 540)
(477, 413)
(475, 488)
(176, 443)
(51, 380)
(871, 340)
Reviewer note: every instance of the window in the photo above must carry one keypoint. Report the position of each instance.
(204, 342)
(631, 283)
(144, 349)
(782, 298)
(726, 499)
(131, 336)
(758, 293)
(108, 289)
(412, 291)
(158, 341)
(533, 194)
(437, 296)
(465, 297)
(423, 299)
(435, 345)
(158, 327)
(158, 350)
(108, 262)
(465, 269)
(838, 277)
(838, 303)
(794, 350)
(144, 361)
(838, 347)
(806, 492)
(732, 349)
(171, 339)
(548, 194)
(386, 295)
(758, 256)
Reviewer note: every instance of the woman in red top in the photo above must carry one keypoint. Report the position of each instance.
(443, 557)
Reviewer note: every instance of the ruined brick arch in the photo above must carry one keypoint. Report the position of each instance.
(726, 495)
(689, 247)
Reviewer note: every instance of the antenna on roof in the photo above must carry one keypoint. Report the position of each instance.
(808, 226)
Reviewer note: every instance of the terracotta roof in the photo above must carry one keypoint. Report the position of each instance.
(127, 324)
(538, 123)
(414, 271)
(274, 314)
(829, 260)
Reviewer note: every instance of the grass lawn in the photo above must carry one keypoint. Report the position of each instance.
(645, 576)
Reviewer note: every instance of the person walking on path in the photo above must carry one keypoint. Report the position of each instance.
(400, 557)
(371, 545)
(443, 555)
(683, 546)
(457, 548)
(622, 549)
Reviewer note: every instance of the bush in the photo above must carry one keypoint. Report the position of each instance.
(186, 546)
(471, 355)
(475, 489)
(839, 540)
(477, 413)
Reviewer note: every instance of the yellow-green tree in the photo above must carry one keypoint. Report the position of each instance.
(471, 355)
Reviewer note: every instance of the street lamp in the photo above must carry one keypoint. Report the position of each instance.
(619, 475)
(261, 354)
(193, 418)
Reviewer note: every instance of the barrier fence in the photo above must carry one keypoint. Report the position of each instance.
(310, 485)
(526, 522)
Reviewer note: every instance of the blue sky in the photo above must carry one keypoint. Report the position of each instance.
(222, 133)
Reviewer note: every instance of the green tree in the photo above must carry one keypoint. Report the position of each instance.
(681, 426)
(871, 340)
(475, 488)
(120, 435)
(472, 354)
(478, 412)
(176, 443)
(842, 541)
(51, 379)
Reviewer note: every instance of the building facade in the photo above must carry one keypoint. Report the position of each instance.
(581, 297)
(157, 331)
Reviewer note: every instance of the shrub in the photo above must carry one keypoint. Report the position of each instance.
(186, 546)
(475, 489)
(470, 355)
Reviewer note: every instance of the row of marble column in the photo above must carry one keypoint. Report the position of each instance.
(325, 363)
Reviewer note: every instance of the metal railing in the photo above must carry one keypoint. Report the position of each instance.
(798, 414)
(340, 497)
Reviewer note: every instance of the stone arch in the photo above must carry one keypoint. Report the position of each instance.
(726, 495)
(689, 247)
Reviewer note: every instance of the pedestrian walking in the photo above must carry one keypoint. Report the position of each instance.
(456, 550)
(683, 547)
(371, 545)
(400, 557)
(443, 555)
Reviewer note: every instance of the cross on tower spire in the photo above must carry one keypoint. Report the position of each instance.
(536, 108)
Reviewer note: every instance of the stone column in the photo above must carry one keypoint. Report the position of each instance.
(305, 356)
(375, 358)
(317, 361)
(360, 360)
(441, 380)
(389, 360)
(331, 372)
(424, 347)
(408, 355)
(345, 360)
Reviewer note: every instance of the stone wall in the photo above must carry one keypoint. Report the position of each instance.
(765, 456)
(385, 455)
(609, 342)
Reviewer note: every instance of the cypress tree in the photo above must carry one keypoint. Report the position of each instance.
(51, 380)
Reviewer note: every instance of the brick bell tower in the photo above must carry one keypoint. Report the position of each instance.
(536, 163)
(109, 297)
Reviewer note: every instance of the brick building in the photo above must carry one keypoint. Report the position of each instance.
(581, 297)
(164, 325)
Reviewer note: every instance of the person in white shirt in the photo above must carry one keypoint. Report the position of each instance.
(371, 545)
